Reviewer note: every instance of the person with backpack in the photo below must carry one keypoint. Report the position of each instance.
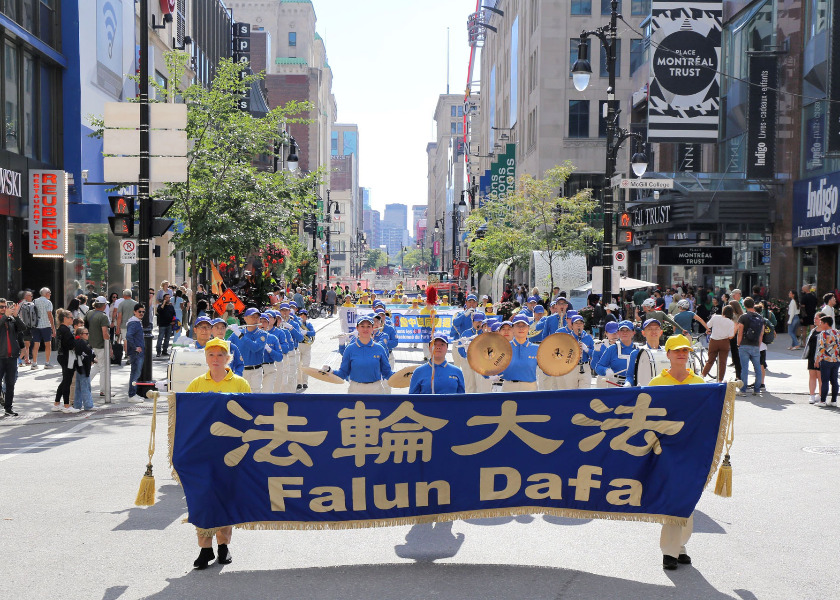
(750, 332)
(827, 359)
(28, 315)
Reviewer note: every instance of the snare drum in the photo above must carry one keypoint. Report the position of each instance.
(649, 364)
(185, 364)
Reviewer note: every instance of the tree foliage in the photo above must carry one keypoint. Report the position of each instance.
(535, 217)
(375, 258)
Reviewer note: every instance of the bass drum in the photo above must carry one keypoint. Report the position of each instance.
(185, 364)
(649, 364)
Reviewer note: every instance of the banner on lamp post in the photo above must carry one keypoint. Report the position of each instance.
(761, 126)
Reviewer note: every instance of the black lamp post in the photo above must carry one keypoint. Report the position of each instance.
(329, 204)
(457, 217)
(438, 227)
(581, 72)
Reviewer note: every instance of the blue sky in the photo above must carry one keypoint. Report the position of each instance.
(389, 65)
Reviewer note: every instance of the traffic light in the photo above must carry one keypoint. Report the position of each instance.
(122, 223)
(327, 259)
(159, 209)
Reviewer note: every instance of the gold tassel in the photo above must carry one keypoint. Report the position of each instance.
(146, 493)
(723, 485)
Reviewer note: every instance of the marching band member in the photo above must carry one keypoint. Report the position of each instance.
(448, 379)
(283, 383)
(566, 323)
(615, 363)
(306, 346)
(251, 344)
(460, 323)
(535, 334)
(272, 354)
(579, 378)
(389, 330)
(297, 336)
(673, 538)
(528, 309)
(218, 328)
(477, 328)
(652, 331)
(364, 362)
(382, 338)
(219, 378)
(506, 330)
(611, 331)
(521, 373)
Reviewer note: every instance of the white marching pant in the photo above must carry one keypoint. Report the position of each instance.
(305, 360)
(673, 538)
(544, 381)
(519, 386)
(376, 387)
(601, 382)
(470, 379)
(254, 379)
(483, 385)
(575, 380)
(269, 379)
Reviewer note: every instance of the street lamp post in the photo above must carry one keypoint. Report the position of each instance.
(438, 227)
(329, 204)
(457, 217)
(581, 72)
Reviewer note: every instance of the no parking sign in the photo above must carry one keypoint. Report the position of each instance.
(620, 259)
(128, 252)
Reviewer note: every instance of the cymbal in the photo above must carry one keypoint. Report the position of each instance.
(559, 353)
(489, 353)
(402, 378)
(322, 375)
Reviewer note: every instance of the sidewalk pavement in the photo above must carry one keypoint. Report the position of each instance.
(35, 389)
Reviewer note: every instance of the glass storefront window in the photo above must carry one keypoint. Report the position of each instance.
(13, 258)
(808, 266)
(47, 104)
(11, 86)
(10, 7)
(29, 107)
(817, 16)
(29, 8)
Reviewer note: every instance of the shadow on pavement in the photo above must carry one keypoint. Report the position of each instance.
(428, 542)
(429, 580)
(168, 508)
(114, 592)
(766, 400)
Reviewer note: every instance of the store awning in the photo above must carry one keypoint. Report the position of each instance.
(626, 283)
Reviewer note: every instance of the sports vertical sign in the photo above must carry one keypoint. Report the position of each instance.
(684, 90)
(242, 55)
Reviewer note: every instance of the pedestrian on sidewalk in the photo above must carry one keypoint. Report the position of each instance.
(28, 314)
(85, 357)
(135, 348)
(98, 329)
(722, 329)
(330, 298)
(828, 358)
(793, 320)
(807, 309)
(10, 325)
(165, 318)
(44, 330)
(750, 332)
(737, 313)
(66, 349)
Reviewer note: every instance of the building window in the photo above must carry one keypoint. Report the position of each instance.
(606, 7)
(604, 72)
(578, 118)
(293, 38)
(639, 7)
(573, 51)
(456, 110)
(47, 111)
(350, 143)
(11, 86)
(46, 21)
(334, 144)
(602, 121)
(532, 128)
(637, 54)
(581, 7)
(162, 82)
(30, 110)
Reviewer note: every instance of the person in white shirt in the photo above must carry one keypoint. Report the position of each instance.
(793, 321)
(722, 329)
(829, 301)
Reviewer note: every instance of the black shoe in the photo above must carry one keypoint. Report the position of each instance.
(11, 413)
(157, 354)
(669, 563)
(225, 557)
(204, 558)
(684, 559)
(299, 387)
(305, 386)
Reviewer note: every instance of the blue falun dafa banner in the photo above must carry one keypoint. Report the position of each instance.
(289, 462)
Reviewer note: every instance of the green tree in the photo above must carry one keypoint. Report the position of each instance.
(375, 258)
(558, 226)
(417, 257)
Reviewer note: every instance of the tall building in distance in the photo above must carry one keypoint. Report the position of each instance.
(395, 227)
(344, 189)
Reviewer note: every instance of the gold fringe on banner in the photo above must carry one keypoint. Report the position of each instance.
(146, 493)
(723, 485)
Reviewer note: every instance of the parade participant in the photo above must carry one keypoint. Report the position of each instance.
(251, 344)
(528, 309)
(535, 334)
(521, 373)
(364, 362)
(219, 330)
(611, 332)
(390, 331)
(297, 337)
(272, 355)
(282, 380)
(579, 378)
(566, 326)
(460, 323)
(219, 378)
(615, 363)
(652, 332)
(489, 310)
(506, 330)
(477, 328)
(306, 345)
(649, 311)
(673, 538)
(447, 378)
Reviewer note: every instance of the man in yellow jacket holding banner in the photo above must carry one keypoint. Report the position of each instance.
(673, 538)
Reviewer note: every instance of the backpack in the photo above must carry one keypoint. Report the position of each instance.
(29, 314)
(753, 333)
(769, 329)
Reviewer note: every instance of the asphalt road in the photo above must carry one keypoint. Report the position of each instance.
(70, 528)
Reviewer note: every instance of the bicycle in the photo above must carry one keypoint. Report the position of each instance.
(314, 310)
(699, 355)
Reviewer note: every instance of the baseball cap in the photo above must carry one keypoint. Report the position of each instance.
(611, 327)
(202, 319)
(379, 310)
(293, 304)
(539, 308)
(650, 322)
(478, 316)
(363, 318)
(533, 299)
(612, 306)
(495, 326)
(251, 311)
(520, 319)
(266, 316)
(626, 325)
(217, 343)
(571, 313)
(284, 305)
(217, 321)
(649, 302)
(575, 319)
(561, 299)
(101, 300)
(503, 323)
(441, 336)
(472, 297)
(677, 342)
(303, 311)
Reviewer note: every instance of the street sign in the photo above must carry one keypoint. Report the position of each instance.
(695, 256)
(616, 179)
(128, 252)
(646, 184)
(227, 297)
(620, 259)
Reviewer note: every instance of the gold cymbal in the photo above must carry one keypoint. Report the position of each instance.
(559, 353)
(489, 354)
(402, 378)
(322, 375)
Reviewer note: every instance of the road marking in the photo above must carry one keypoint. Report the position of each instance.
(44, 442)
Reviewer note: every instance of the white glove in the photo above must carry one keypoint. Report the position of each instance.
(610, 372)
(469, 311)
(267, 348)
(326, 369)
(236, 329)
(583, 347)
(287, 326)
(495, 378)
